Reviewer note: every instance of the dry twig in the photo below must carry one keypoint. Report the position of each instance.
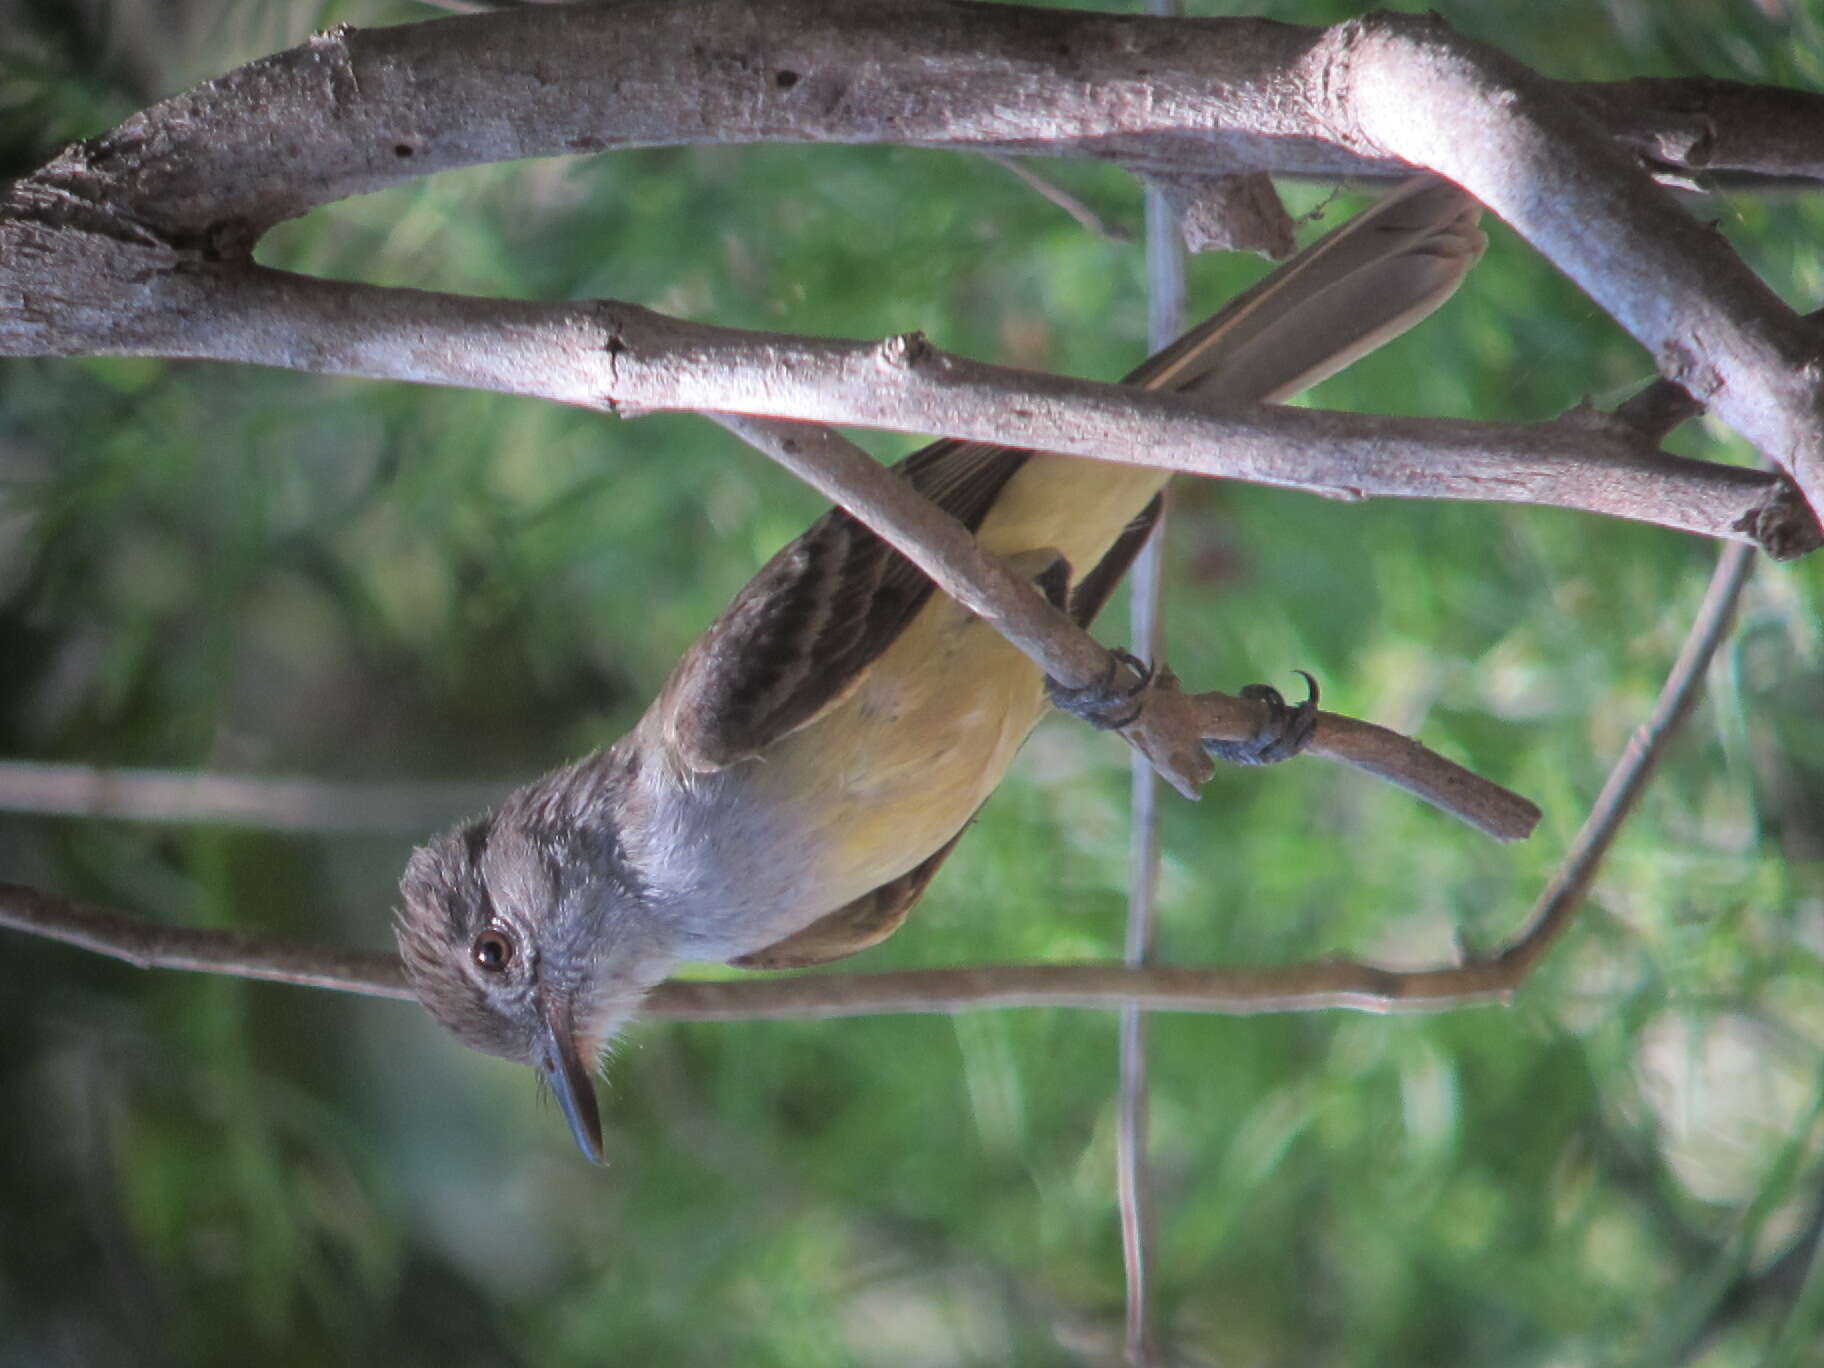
(1061, 197)
(276, 802)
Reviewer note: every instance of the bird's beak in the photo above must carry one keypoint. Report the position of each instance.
(563, 1068)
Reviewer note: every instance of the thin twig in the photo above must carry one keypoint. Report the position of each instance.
(297, 804)
(276, 802)
(1645, 749)
(1165, 320)
(1171, 714)
(1061, 197)
(153, 945)
(1308, 987)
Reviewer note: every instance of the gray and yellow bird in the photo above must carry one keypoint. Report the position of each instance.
(816, 755)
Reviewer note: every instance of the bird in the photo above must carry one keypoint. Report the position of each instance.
(817, 754)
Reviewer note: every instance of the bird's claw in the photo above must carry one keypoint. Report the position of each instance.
(1286, 732)
(1101, 704)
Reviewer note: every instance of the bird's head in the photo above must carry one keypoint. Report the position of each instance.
(523, 933)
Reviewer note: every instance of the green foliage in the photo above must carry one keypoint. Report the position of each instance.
(267, 572)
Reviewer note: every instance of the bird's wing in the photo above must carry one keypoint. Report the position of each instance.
(803, 632)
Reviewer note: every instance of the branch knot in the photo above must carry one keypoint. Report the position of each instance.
(907, 351)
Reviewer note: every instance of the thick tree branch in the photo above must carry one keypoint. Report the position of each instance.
(629, 359)
(1700, 125)
(1200, 96)
(1411, 87)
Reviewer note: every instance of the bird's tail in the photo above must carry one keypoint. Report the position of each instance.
(1337, 300)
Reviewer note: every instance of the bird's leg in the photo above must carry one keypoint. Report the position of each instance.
(1052, 575)
(1104, 706)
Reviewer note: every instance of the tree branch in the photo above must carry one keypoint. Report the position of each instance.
(1199, 96)
(1632, 772)
(1087, 217)
(1409, 86)
(1696, 124)
(153, 945)
(628, 359)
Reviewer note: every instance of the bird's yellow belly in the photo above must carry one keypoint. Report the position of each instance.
(906, 759)
(895, 769)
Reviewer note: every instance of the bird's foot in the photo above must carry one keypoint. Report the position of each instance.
(1286, 732)
(1102, 705)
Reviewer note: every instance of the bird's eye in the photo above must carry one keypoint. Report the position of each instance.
(493, 950)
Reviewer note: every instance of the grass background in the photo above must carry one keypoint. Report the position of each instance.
(270, 573)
